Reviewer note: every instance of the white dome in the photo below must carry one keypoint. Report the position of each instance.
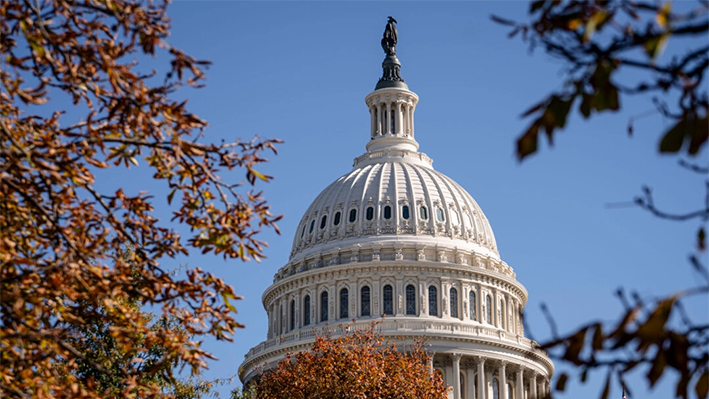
(395, 238)
(394, 195)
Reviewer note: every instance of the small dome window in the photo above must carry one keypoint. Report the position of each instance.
(439, 215)
(468, 221)
(455, 217)
(312, 226)
(353, 215)
(336, 221)
(323, 222)
(387, 212)
(423, 213)
(370, 213)
(302, 233)
(405, 212)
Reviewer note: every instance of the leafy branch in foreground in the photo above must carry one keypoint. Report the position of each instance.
(599, 43)
(58, 227)
(600, 40)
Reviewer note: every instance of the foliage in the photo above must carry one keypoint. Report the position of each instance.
(359, 364)
(58, 228)
(598, 41)
(601, 40)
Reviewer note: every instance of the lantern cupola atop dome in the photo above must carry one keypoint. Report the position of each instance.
(391, 104)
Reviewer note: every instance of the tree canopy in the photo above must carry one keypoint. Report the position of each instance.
(77, 98)
(357, 364)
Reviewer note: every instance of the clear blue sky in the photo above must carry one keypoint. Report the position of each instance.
(299, 71)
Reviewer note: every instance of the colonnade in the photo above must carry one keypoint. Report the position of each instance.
(479, 377)
(475, 303)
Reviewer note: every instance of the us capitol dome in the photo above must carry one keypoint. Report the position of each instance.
(395, 237)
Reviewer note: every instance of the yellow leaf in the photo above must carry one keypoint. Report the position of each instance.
(662, 16)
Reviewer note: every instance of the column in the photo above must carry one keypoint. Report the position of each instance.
(430, 363)
(449, 380)
(503, 380)
(520, 383)
(380, 131)
(405, 118)
(399, 119)
(411, 120)
(373, 120)
(387, 122)
(533, 386)
(471, 379)
(481, 378)
(456, 375)
(400, 297)
(544, 387)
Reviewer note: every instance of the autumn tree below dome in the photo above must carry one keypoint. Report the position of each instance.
(359, 364)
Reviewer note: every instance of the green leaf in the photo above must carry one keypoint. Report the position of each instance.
(598, 337)
(701, 239)
(169, 196)
(689, 128)
(536, 5)
(527, 144)
(655, 46)
(585, 107)
(561, 382)
(658, 367)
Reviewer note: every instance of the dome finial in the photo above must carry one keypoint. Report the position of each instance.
(391, 76)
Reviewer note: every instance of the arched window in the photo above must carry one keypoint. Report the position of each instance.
(306, 310)
(387, 212)
(302, 233)
(502, 313)
(473, 305)
(423, 213)
(344, 303)
(439, 215)
(312, 226)
(353, 215)
(432, 301)
(336, 221)
(370, 213)
(463, 394)
(405, 212)
(323, 221)
(364, 301)
(495, 389)
(292, 315)
(488, 310)
(410, 300)
(511, 391)
(323, 306)
(454, 302)
(388, 299)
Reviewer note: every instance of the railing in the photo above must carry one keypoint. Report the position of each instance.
(388, 326)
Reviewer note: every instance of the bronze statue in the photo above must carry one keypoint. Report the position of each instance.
(390, 37)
